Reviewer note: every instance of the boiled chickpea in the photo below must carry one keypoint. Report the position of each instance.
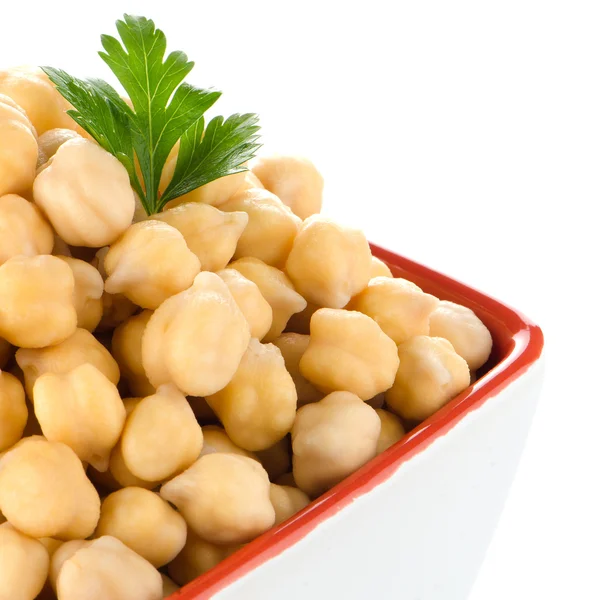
(81, 409)
(44, 491)
(255, 308)
(85, 193)
(466, 332)
(31, 290)
(120, 473)
(329, 263)
(257, 407)
(50, 141)
(293, 179)
(161, 437)
(287, 501)
(431, 373)
(224, 498)
(24, 565)
(144, 522)
(379, 268)
(217, 440)
(140, 264)
(399, 307)
(61, 555)
(348, 351)
(277, 459)
(331, 439)
(276, 289)
(13, 410)
(293, 346)
(80, 348)
(127, 350)
(271, 228)
(212, 235)
(196, 339)
(23, 229)
(392, 430)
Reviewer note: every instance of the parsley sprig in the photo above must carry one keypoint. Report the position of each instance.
(165, 110)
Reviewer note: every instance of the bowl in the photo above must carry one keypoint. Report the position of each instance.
(415, 522)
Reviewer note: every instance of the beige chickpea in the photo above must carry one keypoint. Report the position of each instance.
(348, 351)
(23, 229)
(50, 141)
(169, 586)
(210, 233)
(287, 501)
(217, 440)
(197, 557)
(24, 564)
(19, 149)
(392, 430)
(294, 179)
(257, 407)
(276, 289)
(107, 568)
(329, 263)
(196, 339)
(379, 268)
(44, 491)
(161, 436)
(252, 303)
(277, 459)
(120, 473)
(331, 439)
(80, 348)
(31, 88)
(61, 555)
(224, 498)
(6, 352)
(144, 522)
(399, 307)
(32, 289)
(13, 410)
(466, 332)
(150, 263)
(81, 409)
(127, 350)
(431, 373)
(85, 193)
(293, 346)
(300, 322)
(271, 228)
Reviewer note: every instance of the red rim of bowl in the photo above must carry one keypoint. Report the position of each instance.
(518, 344)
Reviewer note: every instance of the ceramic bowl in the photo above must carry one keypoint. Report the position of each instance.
(415, 522)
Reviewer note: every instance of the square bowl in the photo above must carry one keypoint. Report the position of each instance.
(414, 523)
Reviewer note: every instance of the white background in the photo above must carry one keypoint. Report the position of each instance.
(465, 135)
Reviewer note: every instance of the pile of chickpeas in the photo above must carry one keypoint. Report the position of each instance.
(174, 386)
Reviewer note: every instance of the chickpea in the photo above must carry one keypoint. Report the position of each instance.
(61, 555)
(251, 302)
(224, 498)
(23, 229)
(276, 289)
(287, 501)
(331, 439)
(271, 228)
(6, 353)
(19, 149)
(277, 459)
(294, 179)
(399, 307)
(140, 264)
(120, 473)
(216, 440)
(329, 263)
(466, 332)
(31, 290)
(50, 141)
(23, 565)
(212, 235)
(379, 268)
(107, 568)
(85, 193)
(293, 346)
(196, 339)
(197, 557)
(144, 522)
(392, 430)
(13, 410)
(81, 409)
(161, 437)
(257, 407)
(44, 491)
(348, 351)
(431, 373)
(80, 348)
(127, 350)
(300, 322)
(169, 586)
(31, 88)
